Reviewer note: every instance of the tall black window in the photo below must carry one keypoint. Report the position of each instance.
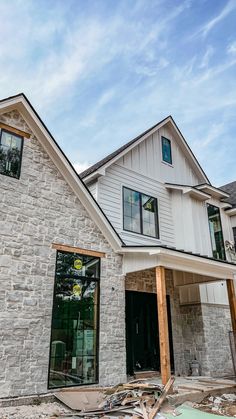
(166, 150)
(10, 154)
(74, 344)
(140, 213)
(216, 233)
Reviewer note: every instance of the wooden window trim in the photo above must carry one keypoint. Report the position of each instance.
(71, 249)
(14, 130)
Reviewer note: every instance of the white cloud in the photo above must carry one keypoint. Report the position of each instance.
(231, 49)
(206, 57)
(227, 9)
(81, 166)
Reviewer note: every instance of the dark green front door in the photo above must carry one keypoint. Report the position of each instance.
(142, 340)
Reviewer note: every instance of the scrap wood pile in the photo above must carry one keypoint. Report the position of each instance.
(136, 399)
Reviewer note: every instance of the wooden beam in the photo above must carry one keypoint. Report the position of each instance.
(232, 302)
(14, 130)
(163, 324)
(72, 249)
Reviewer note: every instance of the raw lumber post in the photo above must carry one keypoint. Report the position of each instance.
(161, 400)
(232, 301)
(163, 324)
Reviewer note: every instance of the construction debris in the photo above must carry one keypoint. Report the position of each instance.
(223, 405)
(136, 399)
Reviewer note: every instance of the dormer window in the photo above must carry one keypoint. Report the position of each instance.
(10, 153)
(166, 150)
(140, 213)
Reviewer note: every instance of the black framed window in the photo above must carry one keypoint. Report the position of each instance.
(74, 334)
(10, 154)
(140, 213)
(234, 233)
(166, 150)
(216, 233)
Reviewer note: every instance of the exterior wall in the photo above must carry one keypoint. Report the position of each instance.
(200, 331)
(110, 198)
(146, 159)
(35, 211)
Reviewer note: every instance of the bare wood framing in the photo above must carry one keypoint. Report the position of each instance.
(14, 130)
(72, 249)
(163, 324)
(232, 301)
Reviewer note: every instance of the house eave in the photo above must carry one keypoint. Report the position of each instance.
(140, 258)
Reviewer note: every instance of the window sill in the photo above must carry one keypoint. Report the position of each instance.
(167, 164)
(139, 235)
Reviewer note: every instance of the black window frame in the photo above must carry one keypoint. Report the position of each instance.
(21, 151)
(97, 280)
(157, 236)
(224, 252)
(162, 145)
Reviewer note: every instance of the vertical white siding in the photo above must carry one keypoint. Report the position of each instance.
(93, 189)
(111, 200)
(146, 158)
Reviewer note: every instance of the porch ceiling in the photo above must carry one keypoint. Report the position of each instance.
(145, 258)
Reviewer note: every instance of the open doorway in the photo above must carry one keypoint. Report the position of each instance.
(142, 335)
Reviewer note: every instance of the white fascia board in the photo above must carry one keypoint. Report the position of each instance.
(178, 261)
(231, 212)
(64, 167)
(214, 192)
(188, 190)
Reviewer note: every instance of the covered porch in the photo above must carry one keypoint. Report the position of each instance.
(164, 272)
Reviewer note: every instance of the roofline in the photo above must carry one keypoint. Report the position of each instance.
(130, 248)
(22, 95)
(112, 157)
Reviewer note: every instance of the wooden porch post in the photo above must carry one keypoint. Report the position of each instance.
(232, 302)
(163, 324)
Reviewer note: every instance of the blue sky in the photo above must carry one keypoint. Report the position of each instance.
(101, 72)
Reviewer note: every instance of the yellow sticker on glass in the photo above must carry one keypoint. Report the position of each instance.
(77, 290)
(78, 264)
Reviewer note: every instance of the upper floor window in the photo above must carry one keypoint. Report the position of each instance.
(10, 153)
(166, 150)
(216, 233)
(140, 213)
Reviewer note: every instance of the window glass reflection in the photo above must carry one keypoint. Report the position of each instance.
(73, 358)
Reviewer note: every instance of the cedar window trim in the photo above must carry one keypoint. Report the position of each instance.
(211, 205)
(11, 132)
(171, 158)
(157, 236)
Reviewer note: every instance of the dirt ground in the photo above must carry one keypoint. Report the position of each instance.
(41, 411)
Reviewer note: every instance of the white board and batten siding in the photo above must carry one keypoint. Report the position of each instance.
(146, 159)
(110, 198)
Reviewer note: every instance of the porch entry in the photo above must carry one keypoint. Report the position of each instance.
(142, 334)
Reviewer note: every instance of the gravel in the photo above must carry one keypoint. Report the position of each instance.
(41, 411)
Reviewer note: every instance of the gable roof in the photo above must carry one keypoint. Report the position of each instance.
(230, 188)
(39, 129)
(115, 155)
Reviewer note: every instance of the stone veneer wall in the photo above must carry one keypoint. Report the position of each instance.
(36, 210)
(199, 331)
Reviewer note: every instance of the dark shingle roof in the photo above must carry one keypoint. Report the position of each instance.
(115, 153)
(230, 188)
